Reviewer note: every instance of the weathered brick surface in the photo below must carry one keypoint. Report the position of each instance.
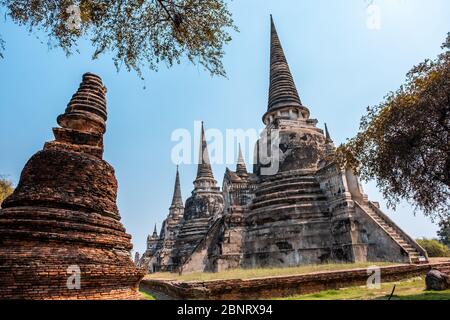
(81, 181)
(63, 213)
(283, 286)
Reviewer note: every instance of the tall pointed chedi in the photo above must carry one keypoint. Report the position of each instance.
(283, 94)
(61, 235)
(202, 209)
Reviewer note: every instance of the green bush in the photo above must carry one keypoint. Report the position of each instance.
(434, 248)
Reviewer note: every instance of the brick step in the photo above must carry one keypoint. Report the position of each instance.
(305, 208)
(289, 194)
(191, 233)
(185, 232)
(445, 270)
(391, 231)
(404, 242)
(409, 248)
(283, 185)
(288, 186)
(286, 179)
(290, 200)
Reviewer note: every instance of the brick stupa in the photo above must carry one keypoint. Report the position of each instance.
(63, 216)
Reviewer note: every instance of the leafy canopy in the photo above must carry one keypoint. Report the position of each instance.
(137, 32)
(404, 143)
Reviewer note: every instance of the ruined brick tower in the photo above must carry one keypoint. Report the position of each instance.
(60, 231)
(296, 207)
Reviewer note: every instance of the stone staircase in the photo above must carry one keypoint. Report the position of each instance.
(416, 253)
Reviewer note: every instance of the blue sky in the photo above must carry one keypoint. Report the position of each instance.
(340, 67)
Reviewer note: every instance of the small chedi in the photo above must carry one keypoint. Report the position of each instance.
(309, 211)
(60, 231)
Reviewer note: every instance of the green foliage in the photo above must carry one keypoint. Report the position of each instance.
(136, 32)
(6, 188)
(434, 248)
(444, 232)
(404, 143)
(147, 296)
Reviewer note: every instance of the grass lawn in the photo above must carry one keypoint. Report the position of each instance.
(412, 289)
(147, 296)
(260, 273)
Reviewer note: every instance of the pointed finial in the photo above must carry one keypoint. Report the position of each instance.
(204, 167)
(155, 233)
(240, 157)
(177, 200)
(241, 168)
(327, 134)
(282, 91)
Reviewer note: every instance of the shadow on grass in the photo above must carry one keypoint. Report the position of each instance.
(410, 289)
(425, 295)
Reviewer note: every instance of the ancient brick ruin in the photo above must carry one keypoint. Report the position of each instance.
(60, 231)
(308, 211)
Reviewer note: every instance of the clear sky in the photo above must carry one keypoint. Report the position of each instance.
(340, 66)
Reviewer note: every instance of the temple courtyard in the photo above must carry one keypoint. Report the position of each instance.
(313, 282)
(410, 289)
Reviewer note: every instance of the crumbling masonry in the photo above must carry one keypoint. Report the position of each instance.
(60, 231)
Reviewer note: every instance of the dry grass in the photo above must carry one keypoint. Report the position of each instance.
(263, 272)
(412, 289)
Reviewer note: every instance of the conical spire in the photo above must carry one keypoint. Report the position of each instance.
(241, 168)
(327, 134)
(204, 166)
(282, 92)
(177, 200)
(155, 232)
